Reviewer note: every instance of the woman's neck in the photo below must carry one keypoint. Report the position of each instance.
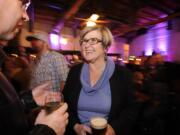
(97, 66)
(95, 71)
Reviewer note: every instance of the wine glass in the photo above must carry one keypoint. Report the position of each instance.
(53, 101)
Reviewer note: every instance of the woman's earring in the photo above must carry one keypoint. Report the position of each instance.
(105, 56)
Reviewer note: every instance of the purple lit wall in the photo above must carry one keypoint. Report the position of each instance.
(54, 41)
(57, 42)
(117, 46)
(158, 39)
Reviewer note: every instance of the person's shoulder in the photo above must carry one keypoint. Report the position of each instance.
(77, 66)
(56, 55)
(75, 69)
(121, 68)
(122, 71)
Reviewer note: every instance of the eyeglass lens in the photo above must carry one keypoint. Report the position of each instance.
(91, 41)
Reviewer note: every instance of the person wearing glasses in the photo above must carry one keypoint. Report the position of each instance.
(99, 87)
(13, 120)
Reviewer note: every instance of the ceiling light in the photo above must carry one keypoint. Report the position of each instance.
(90, 23)
(63, 40)
(94, 17)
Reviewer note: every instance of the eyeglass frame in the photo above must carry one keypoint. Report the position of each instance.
(25, 4)
(93, 40)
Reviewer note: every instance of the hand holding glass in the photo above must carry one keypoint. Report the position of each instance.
(53, 101)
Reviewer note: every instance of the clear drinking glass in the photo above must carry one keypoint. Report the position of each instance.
(53, 101)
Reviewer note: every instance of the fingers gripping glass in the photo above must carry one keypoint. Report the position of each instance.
(90, 41)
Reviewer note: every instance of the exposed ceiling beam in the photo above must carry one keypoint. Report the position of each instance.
(146, 18)
(150, 14)
(160, 7)
(70, 13)
(170, 17)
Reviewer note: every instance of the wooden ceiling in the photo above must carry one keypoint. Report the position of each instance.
(124, 16)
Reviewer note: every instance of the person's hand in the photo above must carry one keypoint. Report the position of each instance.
(40, 92)
(57, 120)
(110, 130)
(82, 129)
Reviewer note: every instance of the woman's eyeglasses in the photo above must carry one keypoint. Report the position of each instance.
(90, 41)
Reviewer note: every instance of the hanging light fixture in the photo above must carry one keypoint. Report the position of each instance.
(92, 20)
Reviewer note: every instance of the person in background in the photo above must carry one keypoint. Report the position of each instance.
(153, 94)
(99, 87)
(22, 54)
(17, 72)
(12, 117)
(2, 53)
(49, 65)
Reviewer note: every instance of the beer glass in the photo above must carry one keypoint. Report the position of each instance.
(98, 125)
(53, 101)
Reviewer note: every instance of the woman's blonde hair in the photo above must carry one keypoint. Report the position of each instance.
(107, 37)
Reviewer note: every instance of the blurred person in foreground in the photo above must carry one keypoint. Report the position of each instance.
(12, 116)
(48, 65)
(99, 87)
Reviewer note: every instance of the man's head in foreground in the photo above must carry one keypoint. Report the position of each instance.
(13, 15)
